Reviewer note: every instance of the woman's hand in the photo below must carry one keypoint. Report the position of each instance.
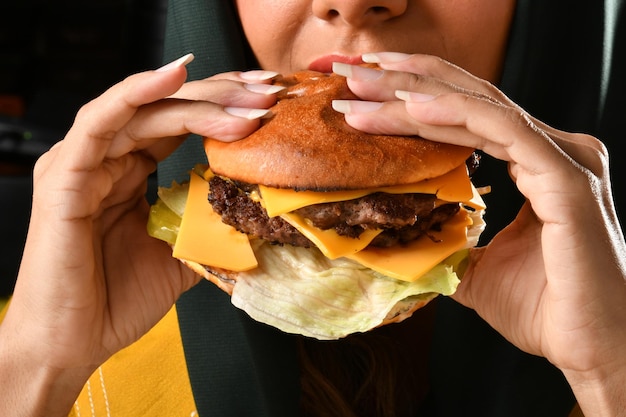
(91, 280)
(553, 281)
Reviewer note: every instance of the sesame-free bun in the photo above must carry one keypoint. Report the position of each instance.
(226, 281)
(308, 145)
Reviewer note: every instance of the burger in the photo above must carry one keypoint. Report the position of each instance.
(319, 229)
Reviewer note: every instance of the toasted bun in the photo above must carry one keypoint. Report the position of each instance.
(224, 285)
(308, 145)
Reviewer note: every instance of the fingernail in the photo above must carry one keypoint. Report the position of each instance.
(356, 72)
(183, 60)
(266, 89)
(246, 113)
(258, 75)
(413, 97)
(355, 106)
(382, 57)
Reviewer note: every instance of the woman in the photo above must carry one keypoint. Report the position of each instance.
(551, 283)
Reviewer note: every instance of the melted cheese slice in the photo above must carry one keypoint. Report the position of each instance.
(204, 239)
(453, 186)
(411, 261)
(332, 244)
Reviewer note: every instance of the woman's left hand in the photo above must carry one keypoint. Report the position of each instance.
(553, 281)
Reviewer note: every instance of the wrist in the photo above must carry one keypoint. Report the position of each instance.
(31, 387)
(600, 392)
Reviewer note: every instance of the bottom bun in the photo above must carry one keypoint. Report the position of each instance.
(300, 291)
(226, 281)
(224, 285)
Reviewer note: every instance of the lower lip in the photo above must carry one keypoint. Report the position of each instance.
(325, 63)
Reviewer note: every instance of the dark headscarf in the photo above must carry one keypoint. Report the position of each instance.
(565, 65)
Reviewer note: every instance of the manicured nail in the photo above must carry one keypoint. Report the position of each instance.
(382, 57)
(183, 60)
(258, 75)
(413, 97)
(355, 106)
(246, 113)
(266, 89)
(356, 72)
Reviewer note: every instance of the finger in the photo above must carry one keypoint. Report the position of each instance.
(430, 66)
(434, 76)
(392, 118)
(222, 108)
(379, 85)
(263, 76)
(125, 186)
(507, 133)
(379, 118)
(174, 118)
(586, 150)
(96, 122)
(229, 92)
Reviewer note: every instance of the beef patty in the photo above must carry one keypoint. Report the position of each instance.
(403, 217)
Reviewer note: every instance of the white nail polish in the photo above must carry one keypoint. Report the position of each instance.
(183, 60)
(355, 106)
(341, 106)
(357, 72)
(264, 88)
(382, 57)
(340, 68)
(413, 97)
(258, 75)
(246, 113)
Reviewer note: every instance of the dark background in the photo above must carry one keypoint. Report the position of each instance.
(54, 57)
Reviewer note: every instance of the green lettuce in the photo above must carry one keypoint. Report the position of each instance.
(301, 291)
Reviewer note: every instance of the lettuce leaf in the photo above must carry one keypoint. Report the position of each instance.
(301, 291)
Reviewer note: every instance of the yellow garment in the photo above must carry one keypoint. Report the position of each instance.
(3, 309)
(147, 379)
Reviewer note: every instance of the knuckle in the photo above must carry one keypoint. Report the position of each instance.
(85, 111)
(41, 165)
(593, 144)
(431, 64)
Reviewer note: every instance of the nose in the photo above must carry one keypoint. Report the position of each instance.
(358, 12)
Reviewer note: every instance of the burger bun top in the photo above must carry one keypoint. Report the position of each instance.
(307, 145)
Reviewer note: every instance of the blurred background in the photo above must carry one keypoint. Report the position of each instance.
(54, 57)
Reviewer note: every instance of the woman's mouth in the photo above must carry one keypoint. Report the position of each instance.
(325, 63)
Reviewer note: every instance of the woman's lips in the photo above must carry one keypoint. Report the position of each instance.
(325, 63)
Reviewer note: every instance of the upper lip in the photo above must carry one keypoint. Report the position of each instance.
(325, 63)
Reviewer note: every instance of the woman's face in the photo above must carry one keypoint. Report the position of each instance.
(290, 35)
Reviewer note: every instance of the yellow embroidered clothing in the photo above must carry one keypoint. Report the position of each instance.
(148, 379)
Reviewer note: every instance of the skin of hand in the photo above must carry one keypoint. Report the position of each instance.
(92, 281)
(553, 281)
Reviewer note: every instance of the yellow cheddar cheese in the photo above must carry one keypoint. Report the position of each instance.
(332, 244)
(453, 186)
(409, 262)
(204, 239)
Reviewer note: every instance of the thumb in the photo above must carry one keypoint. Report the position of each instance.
(463, 294)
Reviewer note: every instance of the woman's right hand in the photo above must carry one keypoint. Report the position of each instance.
(91, 280)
